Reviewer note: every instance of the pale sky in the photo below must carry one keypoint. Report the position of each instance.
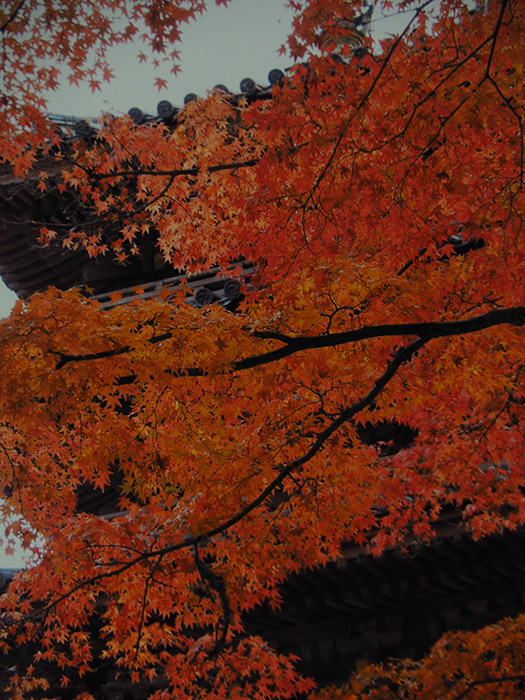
(224, 46)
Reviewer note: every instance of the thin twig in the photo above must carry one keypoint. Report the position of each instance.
(12, 16)
(486, 681)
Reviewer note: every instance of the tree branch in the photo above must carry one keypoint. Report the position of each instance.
(12, 16)
(495, 36)
(292, 344)
(486, 681)
(177, 172)
(394, 46)
(215, 583)
(402, 356)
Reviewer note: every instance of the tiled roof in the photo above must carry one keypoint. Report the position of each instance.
(28, 267)
(25, 266)
(366, 609)
(249, 90)
(6, 576)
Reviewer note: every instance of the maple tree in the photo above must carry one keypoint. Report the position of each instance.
(380, 197)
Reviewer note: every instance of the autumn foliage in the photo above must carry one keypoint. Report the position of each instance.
(381, 198)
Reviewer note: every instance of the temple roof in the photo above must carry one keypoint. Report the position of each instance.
(27, 266)
(364, 609)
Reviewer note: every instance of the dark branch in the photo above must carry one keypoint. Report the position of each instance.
(151, 202)
(177, 172)
(394, 46)
(402, 356)
(12, 16)
(495, 36)
(437, 329)
(214, 582)
(487, 681)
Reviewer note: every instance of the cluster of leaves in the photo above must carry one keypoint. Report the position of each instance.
(382, 201)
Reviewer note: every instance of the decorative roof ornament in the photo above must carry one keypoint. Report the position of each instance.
(165, 109)
(137, 115)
